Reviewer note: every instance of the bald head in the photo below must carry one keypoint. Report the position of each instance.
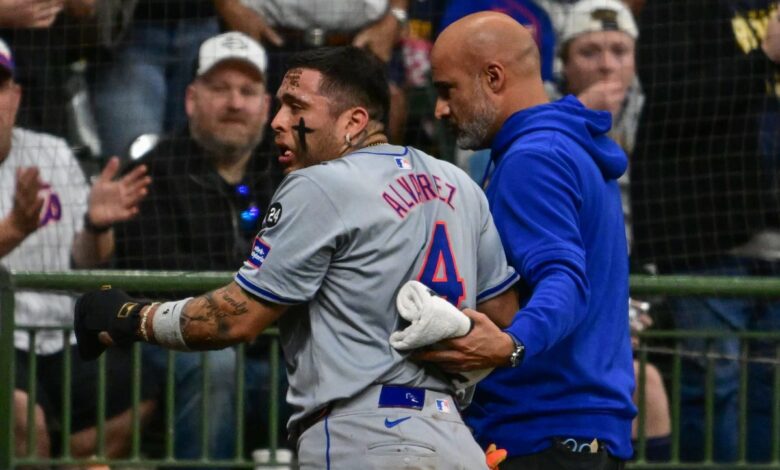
(487, 36)
(485, 68)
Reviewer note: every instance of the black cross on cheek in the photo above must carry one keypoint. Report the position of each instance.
(302, 131)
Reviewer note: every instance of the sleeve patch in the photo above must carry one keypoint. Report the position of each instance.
(260, 250)
(273, 215)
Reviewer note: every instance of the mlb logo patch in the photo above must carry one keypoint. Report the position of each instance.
(403, 163)
(260, 250)
(443, 405)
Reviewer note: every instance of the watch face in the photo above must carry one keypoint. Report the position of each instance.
(517, 356)
(400, 15)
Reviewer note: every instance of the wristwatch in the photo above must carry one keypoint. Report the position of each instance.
(516, 358)
(400, 15)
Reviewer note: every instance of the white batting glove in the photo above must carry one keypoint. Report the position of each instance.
(432, 318)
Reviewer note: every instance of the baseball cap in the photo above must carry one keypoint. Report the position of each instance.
(231, 46)
(587, 16)
(6, 59)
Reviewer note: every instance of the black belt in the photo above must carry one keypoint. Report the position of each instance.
(316, 37)
(308, 421)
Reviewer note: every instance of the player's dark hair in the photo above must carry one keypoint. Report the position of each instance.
(350, 77)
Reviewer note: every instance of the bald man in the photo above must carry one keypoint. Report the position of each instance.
(565, 399)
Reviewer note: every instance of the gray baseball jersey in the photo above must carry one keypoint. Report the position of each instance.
(344, 236)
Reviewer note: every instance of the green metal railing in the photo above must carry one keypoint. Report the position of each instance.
(189, 282)
(676, 354)
(134, 281)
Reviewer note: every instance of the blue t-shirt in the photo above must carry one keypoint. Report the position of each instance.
(556, 203)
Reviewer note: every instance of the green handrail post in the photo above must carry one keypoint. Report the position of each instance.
(676, 401)
(709, 403)
(743, 402)
(32, 392)
(6, 369)
(273, 413)
(101, 407)
(642, 399)
(205, 365)
(240, 405)
(170, 407)
(67, 373)
(776, 410)
(135, 445)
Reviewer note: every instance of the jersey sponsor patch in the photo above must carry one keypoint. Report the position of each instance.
(403, 163)
(273, 216)
(443, 405)
(260, 250)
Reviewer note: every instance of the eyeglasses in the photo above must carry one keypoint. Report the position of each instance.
(248, 218)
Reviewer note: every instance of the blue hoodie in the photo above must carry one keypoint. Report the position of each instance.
(556, 202)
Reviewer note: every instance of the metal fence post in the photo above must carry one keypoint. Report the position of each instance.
(6, 369)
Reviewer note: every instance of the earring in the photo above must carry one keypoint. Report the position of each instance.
(348, 140)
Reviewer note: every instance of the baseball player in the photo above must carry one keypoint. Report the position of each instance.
(353, 220)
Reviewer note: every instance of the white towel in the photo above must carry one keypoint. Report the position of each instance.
(432, 319)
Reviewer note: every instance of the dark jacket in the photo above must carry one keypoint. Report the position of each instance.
(191, 218)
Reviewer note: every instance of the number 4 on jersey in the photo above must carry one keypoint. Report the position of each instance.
(440, 270)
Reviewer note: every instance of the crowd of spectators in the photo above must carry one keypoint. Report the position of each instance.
(691, 87)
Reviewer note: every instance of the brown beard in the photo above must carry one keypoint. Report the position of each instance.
(220, 149)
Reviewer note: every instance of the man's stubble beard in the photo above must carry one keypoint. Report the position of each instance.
(472, 134)
(221, 149)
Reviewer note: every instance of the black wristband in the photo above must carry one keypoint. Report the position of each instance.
(92, 228)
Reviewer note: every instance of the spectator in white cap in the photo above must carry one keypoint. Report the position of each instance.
(233, 46)
(596, 48)
(210, 189)
(227, 103)
(597, 52)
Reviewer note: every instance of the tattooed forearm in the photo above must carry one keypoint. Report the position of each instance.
(210, 320)
(238, 305)
(224, 317)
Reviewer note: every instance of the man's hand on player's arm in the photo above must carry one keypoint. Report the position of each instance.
(485, 345)
(215, 320)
